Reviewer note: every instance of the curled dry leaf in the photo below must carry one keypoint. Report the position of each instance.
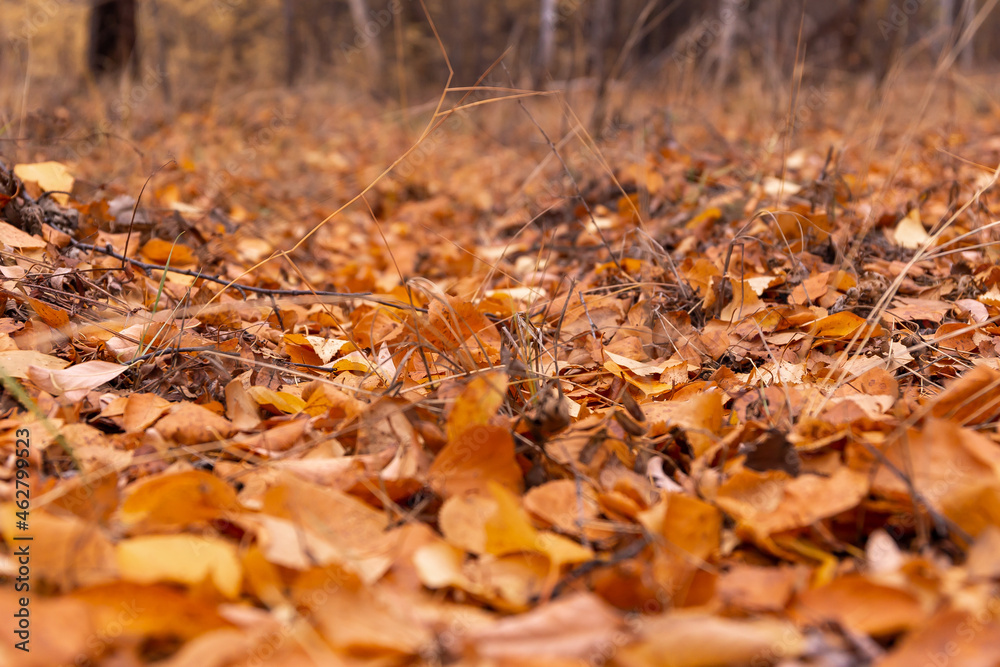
(74, 382)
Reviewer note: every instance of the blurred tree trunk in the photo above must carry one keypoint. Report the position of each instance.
(478, 37)
(112, 36)
(368, 29)
(955, 16)
(463, 34)
(601, 28)
(293, 45)
(161, 50)
(729, 16)
(546, 40)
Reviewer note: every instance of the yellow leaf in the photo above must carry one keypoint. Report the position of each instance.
(509, 530)
(479, 401)
(277, 401)
(16, 363)
(910, 232)
(562, 550)
(185, 559)
(50, 176)
(710, 214)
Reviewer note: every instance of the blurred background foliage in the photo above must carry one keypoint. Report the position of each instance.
(105, 59)
(380, 46)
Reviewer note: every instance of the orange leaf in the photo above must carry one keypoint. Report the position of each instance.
(191, 424)
(159, 251)
(54, 317)
(480, 454)
(509, 529)
(852, 599)
(142, 410)
(839, 325)
(175, 500)
(478, 402)
(575, 626)
(15, 238)
(701, 640)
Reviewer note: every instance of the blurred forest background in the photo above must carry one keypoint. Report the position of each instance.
(387, 47)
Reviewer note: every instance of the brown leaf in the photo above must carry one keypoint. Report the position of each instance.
(191, 424)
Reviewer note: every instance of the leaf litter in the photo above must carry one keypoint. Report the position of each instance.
(715, 415)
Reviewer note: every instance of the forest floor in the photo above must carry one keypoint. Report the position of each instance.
(717, 387)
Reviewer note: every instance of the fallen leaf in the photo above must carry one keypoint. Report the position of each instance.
(15, 238)
(861, 605)
(75, 381)
(910, 232)
(571, 627)
(50, 176)
(479, 455)
(185, 559)
(17, 363)
(701, 640)
(176, 500)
